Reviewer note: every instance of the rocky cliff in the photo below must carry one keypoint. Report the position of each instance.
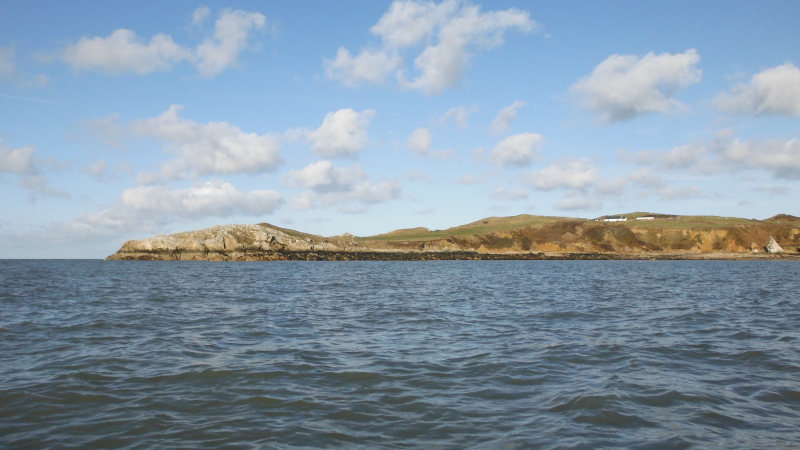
(519, 237)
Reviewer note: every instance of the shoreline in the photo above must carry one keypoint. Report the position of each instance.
(311, 255)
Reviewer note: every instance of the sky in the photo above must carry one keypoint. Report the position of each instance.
(122, 120)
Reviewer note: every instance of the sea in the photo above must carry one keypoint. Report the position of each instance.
(427, 354)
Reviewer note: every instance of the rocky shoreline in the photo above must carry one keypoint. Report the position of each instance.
(290, 255)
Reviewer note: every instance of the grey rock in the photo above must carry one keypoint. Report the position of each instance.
(773, 246)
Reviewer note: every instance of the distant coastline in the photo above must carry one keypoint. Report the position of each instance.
(633, 236)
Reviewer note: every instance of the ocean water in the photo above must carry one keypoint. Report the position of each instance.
(439, 354)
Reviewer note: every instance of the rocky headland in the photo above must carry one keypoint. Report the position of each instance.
(638, 236)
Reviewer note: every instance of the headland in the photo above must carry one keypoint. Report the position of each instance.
(636, 235)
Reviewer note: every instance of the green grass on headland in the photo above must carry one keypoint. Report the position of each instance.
(483, 226)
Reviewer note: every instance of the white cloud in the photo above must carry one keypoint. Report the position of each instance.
(368, 67)
(210, 199)
(502, 193)
(231, 33)
(517, 150)
(420, 143)
(211, 148)
(572, 173)
(727, 154)
(304, 201)
(18, 160)
(772, 91)
(330, 185)
(149, 208)
(458, 116)
(125, 52)
(460, 30)
(21, 163)
(625, 86)
(505, 116)
(324, 177)
(409, 23)
(10, 74)
(780, 157)
(200, 14)
(342, 133)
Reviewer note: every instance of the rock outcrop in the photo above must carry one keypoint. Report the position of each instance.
(773, 246)
(220, 243)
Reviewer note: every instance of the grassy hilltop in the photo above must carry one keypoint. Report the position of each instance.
(665, 233)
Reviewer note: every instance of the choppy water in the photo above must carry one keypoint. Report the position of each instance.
(506, 354)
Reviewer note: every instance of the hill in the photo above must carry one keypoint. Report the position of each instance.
(639, 235)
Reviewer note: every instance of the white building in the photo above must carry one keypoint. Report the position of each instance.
(615, 219)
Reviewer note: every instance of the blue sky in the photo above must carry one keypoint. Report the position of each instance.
(121, 120)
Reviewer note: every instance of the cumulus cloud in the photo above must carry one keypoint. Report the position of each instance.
(780, 158)
(214, 148)
(458, 116)
(231, 33)
(505, 116)
(149, 208)
(123, 51)
(626, 86)
(517, 150)
(572, 173)
(343, 133)
(200, 14)
(11, 74)
(420, 143)
(344, 186)
(367, 67)
(18, 160)
(772, 91)
(27, 169)
(585, 187)
(502, 193)
(451, 32)
(324, 177)
(210, 199)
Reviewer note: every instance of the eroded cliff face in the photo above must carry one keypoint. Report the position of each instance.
(588, 236)
(265, 242)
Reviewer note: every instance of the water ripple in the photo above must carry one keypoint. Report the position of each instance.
(501, 354)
